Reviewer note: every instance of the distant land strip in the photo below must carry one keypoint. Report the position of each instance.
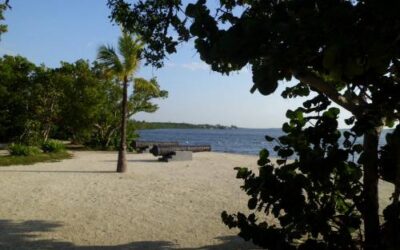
(168, 125)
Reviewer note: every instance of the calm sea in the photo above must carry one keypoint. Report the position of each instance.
(240, 141)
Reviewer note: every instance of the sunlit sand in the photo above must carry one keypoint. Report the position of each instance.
(82, 203)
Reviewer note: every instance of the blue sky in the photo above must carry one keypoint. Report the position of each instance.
(50, 31)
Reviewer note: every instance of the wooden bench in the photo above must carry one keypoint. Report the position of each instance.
(177, 153)
(142, 146)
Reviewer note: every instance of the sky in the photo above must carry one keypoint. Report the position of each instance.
(51, 31)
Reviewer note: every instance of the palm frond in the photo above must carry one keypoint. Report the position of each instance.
(130, 48)
(108, 57)
(149, 88)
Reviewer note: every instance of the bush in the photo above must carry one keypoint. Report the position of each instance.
(23, 150)
(31, 135)
(53, 146)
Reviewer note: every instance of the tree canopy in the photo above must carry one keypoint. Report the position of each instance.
(326, 44)
(346, 52)
(76, 101)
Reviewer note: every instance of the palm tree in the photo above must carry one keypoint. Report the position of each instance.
(122, 66)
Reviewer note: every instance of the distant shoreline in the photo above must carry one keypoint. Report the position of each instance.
(141, 125)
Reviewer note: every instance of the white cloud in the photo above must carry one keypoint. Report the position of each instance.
(194, 66)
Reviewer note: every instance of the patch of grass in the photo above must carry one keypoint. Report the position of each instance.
(53, 146)
(23, 150)
(9, 160)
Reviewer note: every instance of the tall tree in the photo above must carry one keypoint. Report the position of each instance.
(84, 90)
(46, 99)
(30, 97)
(16, 75)
(122, 67)
(347, 52)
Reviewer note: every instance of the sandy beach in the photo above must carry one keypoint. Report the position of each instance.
(81, 203)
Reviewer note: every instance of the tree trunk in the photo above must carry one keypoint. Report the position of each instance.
(121, 166)
(46, 132)
(371, 203)
(396, 193)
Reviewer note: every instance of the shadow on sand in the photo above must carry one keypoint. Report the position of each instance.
(145, 160)
(139, 160)
(23, 236)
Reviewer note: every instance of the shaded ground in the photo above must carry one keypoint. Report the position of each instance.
(21, 235)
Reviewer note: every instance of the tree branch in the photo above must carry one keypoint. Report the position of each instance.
(329, 90)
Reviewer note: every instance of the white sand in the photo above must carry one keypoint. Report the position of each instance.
(82, 203)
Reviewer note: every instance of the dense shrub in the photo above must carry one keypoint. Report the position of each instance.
(102, 141)
(53, 146)
(23, 150)
(31, 135)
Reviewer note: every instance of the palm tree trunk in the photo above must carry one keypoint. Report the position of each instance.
(121, 166)
(371, 204)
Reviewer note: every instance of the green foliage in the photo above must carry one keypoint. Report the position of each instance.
(112, 141)
(15, 100)
(76, 102)
(341, 51)
(45, 99)
(316, 197)
(23, 150)
(156, 13)
(53, 146)
(31, 135)
(143, 92)
(108, 117)
(29, 100)
(84, 99)
(3, 6)
(10, 160)
(131, 134)
(125, 62)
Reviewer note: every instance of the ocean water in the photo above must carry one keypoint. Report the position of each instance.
(240, 141)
